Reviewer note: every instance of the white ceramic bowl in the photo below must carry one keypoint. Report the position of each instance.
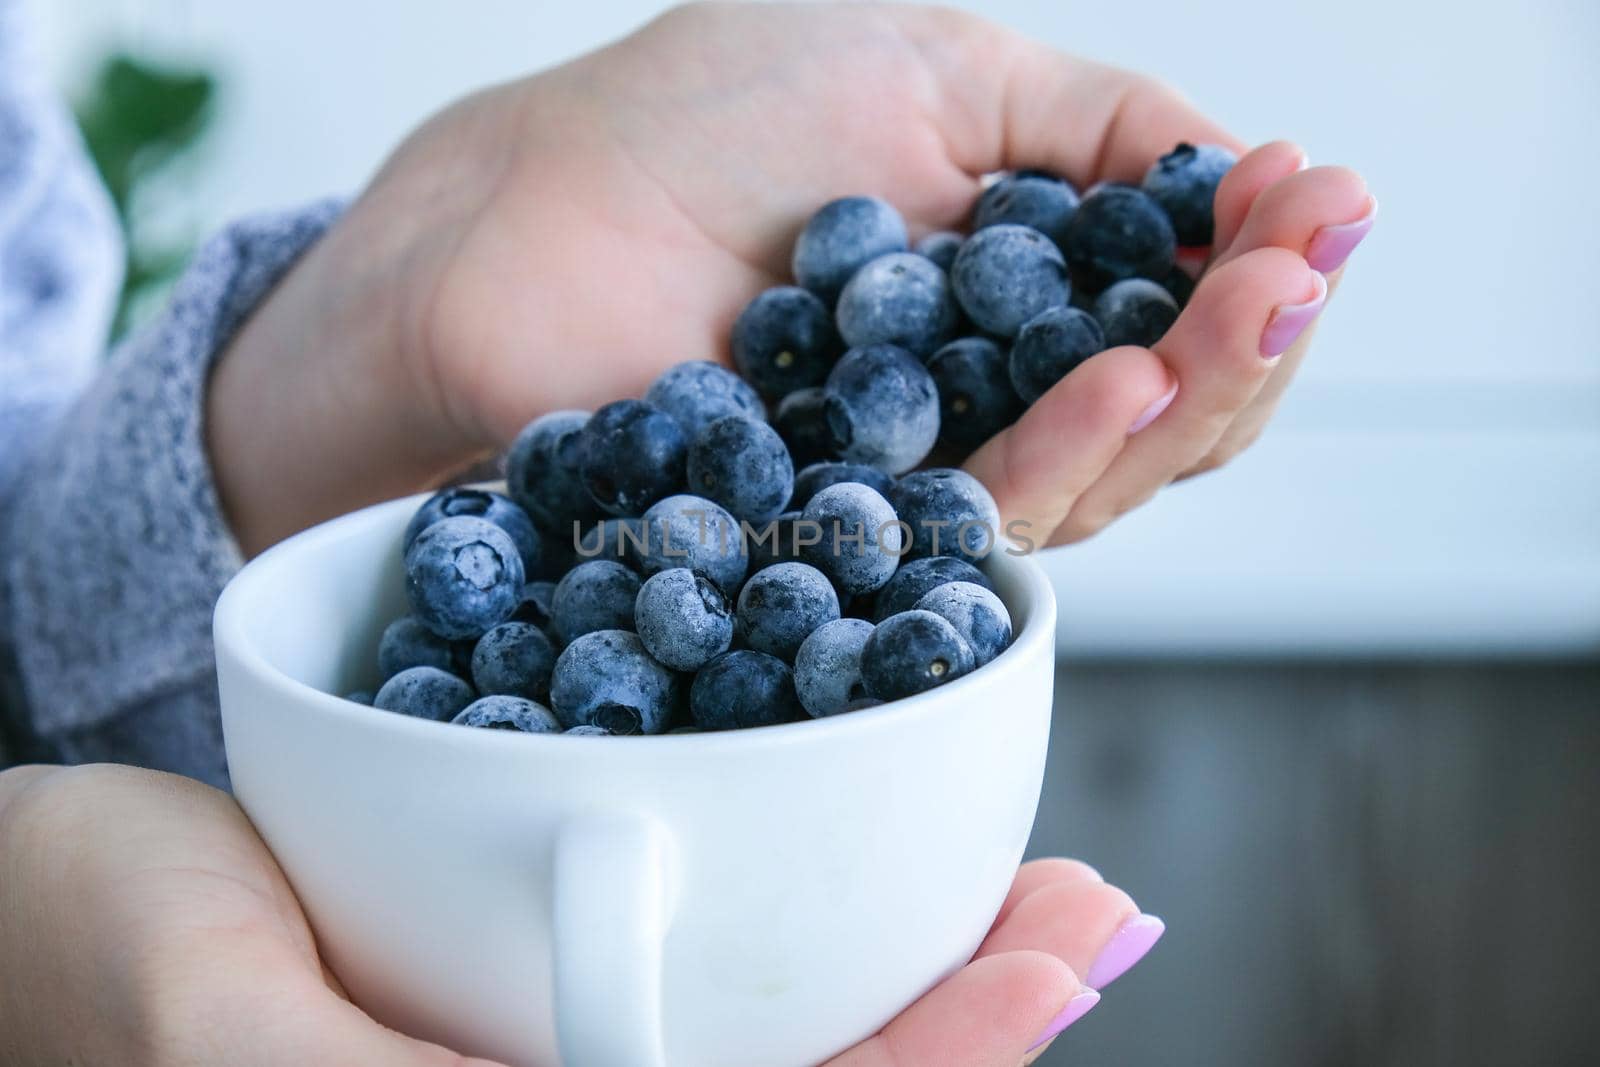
(759, 898)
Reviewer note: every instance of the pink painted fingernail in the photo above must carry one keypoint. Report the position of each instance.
(1076, 1009)
(1290, 321)
(1332, 245)
(1127, 946)
(1149, 414)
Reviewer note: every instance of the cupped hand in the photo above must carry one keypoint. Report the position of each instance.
(143, 923)
(558, 241)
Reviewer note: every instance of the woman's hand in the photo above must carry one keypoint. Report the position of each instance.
(558, 241)
(144, 924)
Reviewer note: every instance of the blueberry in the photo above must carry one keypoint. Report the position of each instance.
(485, 505)
(361, 696)
(508, 713)
(801, 420)
(817, 477)
(693, 532)
(1135, 311)
(589, 731)
(827, 669)
(742, 689)
(406, 642)
(631, 454)
(700, 392)
(463, 575)
(910, 653)
(682, 619)
(514, 659)
(615, 539)
(940, 246)
(1184, 182)
(780, 606)
(977, 615)
(842, 237)
(950, 513)
(1007, 274)
(863, 703)
(534, 607)
(900, 299)
(1030, 198)
(425, 693)
(606, 678)
(912, 581)
(742, 465)
(778, 541)
(976, 397)
(597, 595)
(1049, 347)
(859, 536)
(1179, 285)
(543, 475)
(1118, 233)
(785, 340)
(882, 408)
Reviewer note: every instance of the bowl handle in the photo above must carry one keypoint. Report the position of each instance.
(612, 908)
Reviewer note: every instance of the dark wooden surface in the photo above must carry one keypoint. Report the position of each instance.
(1387, 865)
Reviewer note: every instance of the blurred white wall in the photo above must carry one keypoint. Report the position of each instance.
(1434, 480)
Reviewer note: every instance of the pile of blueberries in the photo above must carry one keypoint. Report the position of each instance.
(681, 563)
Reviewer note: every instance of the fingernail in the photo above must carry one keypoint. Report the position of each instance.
(1290, 321)
(1149, 414)
(1076, 1009)
(1332, 245)
(1127, 946)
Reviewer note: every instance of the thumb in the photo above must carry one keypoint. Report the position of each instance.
(336, 1033)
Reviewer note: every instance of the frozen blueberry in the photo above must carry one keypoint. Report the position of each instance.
(361, 696)
(900, 299)
(817, 477)
(801, 420)
(882, 408)
(859, 537)
(741, 689)
(597, 595)
(742, 465)
(977, 615)
(616, 539)
(1006, 275)
(910, 653)
(543, 475)
(700, 392)
(780, 606)
(693, 532)
(1117, 233)
(501, 712)
(514, 659)
(683, 619)
(913, 581)
(425, 693)
(863, 703)
(785, 340)
(534, 607)
(631, 454)
(778, 541)
(607, 679)
(950, 513)
(1184, 182)
(827, 669)
(940, 246)
(485, 505)
(976, 397)
(588, 731)
(842, 237)
(1135, 311)
(1028, 198)
(406, 643)
(1049, 347)
(463, 575)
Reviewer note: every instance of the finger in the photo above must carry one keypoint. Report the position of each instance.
(1078, 923)
(991, 1013)
(1241, 311)
(1320, 214)
(335, 1033)
(1004, 100)
(1249, 178)
(1037, 874)
(1037, 467)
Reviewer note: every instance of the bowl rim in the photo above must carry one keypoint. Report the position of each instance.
(241, 600)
